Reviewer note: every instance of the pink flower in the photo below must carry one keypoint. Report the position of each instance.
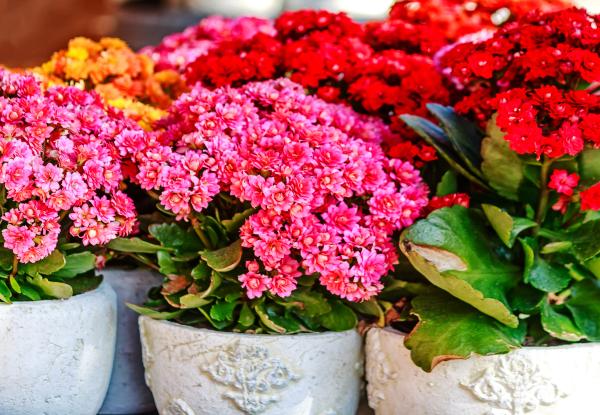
(254, 283)
(563, 182)
(18, 239)
(282, 285)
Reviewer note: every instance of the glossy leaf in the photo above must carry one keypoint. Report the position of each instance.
(171, 235)
(586, 240)
(340, 318)
(246, 318)
(454, 250)
(52, 288)
(310, 303)
(224, 259)
(450, 329)
(76, 264)
(559, 325)
(584, 304)
(589, 166)
(136, 245)
(506, 226)
(157, 315)
(502, 167)
(49, 265)
(463, 134)
(233, 224)
(223, 310)
(447, 184)
(165, 263)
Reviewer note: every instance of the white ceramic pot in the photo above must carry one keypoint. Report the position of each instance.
(127, 392)
(56, 355)
(204, 372)
(559, 380)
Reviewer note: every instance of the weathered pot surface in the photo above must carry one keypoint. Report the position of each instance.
(127, 393)
(57, 354)
(198, 371)
(533, 380)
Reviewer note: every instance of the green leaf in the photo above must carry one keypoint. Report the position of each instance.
(157, 315)
(436, 137)
(589, 166)
(558, 325)
(135, 245)
(173, 236)
(454, 250)
(266, 320)
(506, 226)
(223, 310)
(450, 329)
(76, 264)
(52, 288)
(200, 299)
(224, 259)
(447, 184)
(584, 304)
(50, 264)
(14, 284)
(548, 277)
(30, 292)
(586, 243)
(340, 318)
(526, 299)
(370, 308)
(310, 303)
(247, 317)
(502, 167)
(463, 134)
(166, 264)
(201, 271)
(6, 259)
(5, 292)
(84, 283)
(233, 224)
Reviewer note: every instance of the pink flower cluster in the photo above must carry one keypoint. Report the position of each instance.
(57, 157)
(327, 199)
(178, 50)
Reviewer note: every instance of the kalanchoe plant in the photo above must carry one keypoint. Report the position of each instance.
(282, 209)
(59, 184)
(124, 79)
(521, 266)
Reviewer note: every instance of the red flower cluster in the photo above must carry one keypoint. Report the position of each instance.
(339, 60)
(451, 19)
(590, 198)
(549, 121)
(561, 49)
(438, 202)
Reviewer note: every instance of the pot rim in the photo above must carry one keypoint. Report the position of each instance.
(103, 286)
(578, 345)
(233, 334)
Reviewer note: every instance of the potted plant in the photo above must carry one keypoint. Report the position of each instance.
(59, 184)
(519, 267)
(128, 81)
(279, 211)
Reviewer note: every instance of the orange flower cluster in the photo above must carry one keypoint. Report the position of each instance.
(125, 79)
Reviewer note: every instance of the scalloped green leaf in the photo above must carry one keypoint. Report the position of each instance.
(450, 329)
(586, 243)
(136, 245)
(502, 167)
(447, 184)
(584, 305)
(171, 235)
(454, 250)
(559, 325)
(506, 226)
(76, 264)
(589, 166)
(51, 288)
(157, 315)
(224, 259)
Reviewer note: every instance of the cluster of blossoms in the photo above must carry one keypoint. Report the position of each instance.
(329, 54)
(178, 50)
(565, 184)
(448, 20)
(558, 49)
(327, 200)
(57, 158)
(125, 79)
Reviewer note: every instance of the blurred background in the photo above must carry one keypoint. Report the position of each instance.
(30, 30)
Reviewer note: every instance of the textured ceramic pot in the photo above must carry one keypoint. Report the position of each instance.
(57, 355)
(204, 372)
(533, 380)
(127, 392)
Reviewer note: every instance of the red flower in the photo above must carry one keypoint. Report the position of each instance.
(438, 202)
(590, 198)
(563, 182)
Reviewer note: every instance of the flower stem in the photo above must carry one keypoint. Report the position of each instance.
(15, 266)
(198, 229)
(545, 191)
